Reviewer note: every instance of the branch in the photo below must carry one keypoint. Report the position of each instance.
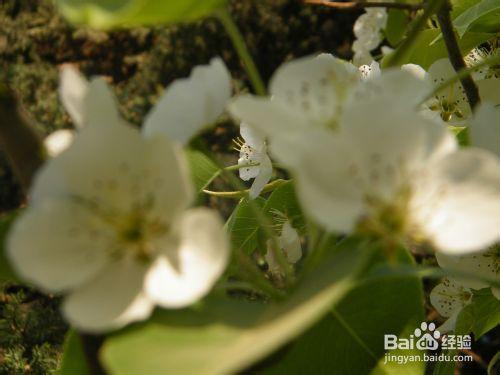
(455, 54)
(355, 5)
(22, 145)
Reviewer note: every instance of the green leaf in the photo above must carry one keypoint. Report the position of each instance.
(395, 29)
(284, 200)
(73, 359)
(350, 340)
(6, 220)
(243, 226)
(425, 52)
(106, 14)
(460, 6)
(482, 315)
(203, 169)
(483, 16)
(225, 336)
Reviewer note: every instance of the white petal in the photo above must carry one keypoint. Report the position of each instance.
(326, 181)
(252, 136)
(200, 260)
(496, 292)
(313, 87)
(467, 215)
(111, 300)
(73, 87)
(489, 90)
(58, 141)
(290, 242)
(265, 174)
(449, 297)
(270, 117)
(370, 71)
(59, 245)
(416, 70)
(116, 169)
(100, 105)
(482, 264)
(249, 155)
(189, 104)
(485, 128)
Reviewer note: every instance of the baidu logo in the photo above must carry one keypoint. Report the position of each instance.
(427, 336)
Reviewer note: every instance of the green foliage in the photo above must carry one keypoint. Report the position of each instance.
(31, 331)
(482, 315)
(483, 16)
(225, 336)
(73, 360)
(356, 325)
(243, 226)
(429, 47)
(129, 13)
(397, 22)
(203, 170)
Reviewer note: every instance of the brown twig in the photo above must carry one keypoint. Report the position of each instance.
(455, 54)
(355, 5)
(22, 145)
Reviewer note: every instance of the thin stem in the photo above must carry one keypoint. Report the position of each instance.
(243, 193)
(355, 5)
(455, 54)
(241, 49)
(395, 58)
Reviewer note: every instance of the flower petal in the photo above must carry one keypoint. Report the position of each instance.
(178, 280)
(265, 174)
(191, 103)
(57, 245)
(100, 105)
(483, 264)
(467, 215)
(252, 136)
(73, 87)
(290, 242)
(58, 141)
(111, 300)
(449, 297)
(485, 128)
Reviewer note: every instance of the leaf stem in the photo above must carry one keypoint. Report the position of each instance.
(455, 54)
(243, 193)
(242, 50)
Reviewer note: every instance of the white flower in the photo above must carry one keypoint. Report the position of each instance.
(191, 103)
(478, 55)
(391, 170)
(449, 298)
(370, 71)
(485, 128)
(109, 226)
(289, 243)
(451, 104)
(485, 264)
(367, 30)
(187, 105)
(254, 151)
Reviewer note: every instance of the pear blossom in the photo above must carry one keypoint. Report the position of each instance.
(109, 225)
(485, 264)
(190, 103)
(254, 161)
(367, 30)
(451, 104)
(449, 298)
(289, 243)
(485, 128)
(358, 167)
(478, 55)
